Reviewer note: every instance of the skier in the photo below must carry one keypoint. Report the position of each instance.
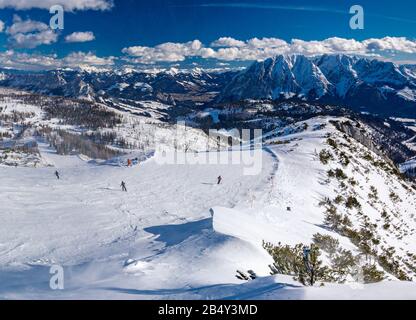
(57, 175)
(306, 257)
(219, 180)
(129, 163)
(123, 186)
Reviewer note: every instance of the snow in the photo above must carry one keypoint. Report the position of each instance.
(119, 86)
(144, 87)
(176, 234)
(407, 94)
(284, 288)
(213, 113)
(172, 71)
(84, 217)
(408, 165)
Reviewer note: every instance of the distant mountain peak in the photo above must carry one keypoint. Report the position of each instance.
(348, 80)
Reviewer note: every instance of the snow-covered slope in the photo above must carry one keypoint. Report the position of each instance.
(176, 234)
(98, 130)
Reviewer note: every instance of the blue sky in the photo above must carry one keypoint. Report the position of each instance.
(129, 31)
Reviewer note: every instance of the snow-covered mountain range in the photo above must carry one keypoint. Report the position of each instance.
(360, 83)
(371, 85)
(165, 86)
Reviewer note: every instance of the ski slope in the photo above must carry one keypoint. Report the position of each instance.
(84, 219)
(175, 234)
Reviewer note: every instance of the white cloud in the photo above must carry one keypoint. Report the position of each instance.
(328, 46)
(230, 49)
(33, 40)
(400, 44)
(76, 59)
(80, 37)
(32, 33)
(167, 52)
(69, 5)
(266, 43)
(36, 62)
(29, 34)
(23, 61)
(20, 26)
(2, 26)
(258, 49)
(227, 42)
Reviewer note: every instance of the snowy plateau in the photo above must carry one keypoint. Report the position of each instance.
(332, 178)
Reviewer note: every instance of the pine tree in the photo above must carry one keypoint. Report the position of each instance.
(292, 261)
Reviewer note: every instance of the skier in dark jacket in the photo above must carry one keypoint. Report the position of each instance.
(306, 257)
(123, 186)
(57, 175)
(219, 180)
